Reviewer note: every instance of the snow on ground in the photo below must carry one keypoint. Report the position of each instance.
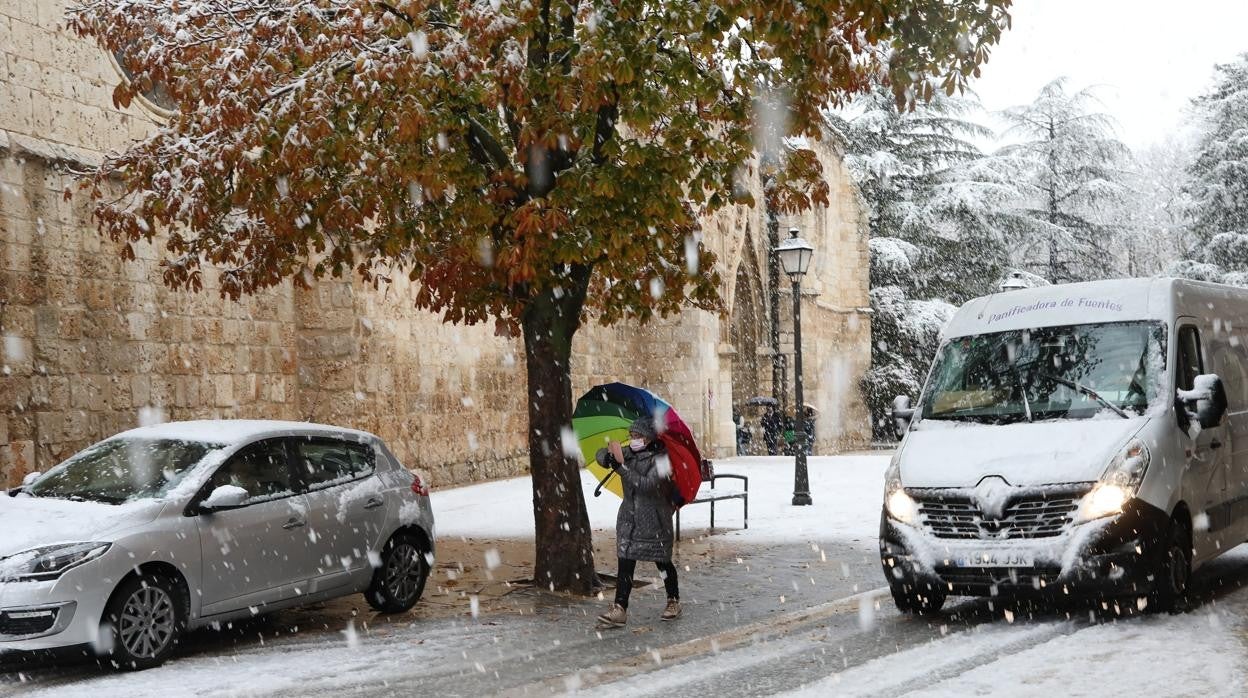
(847, 493)
(1197, 653)
(1189, 654)
(1192, 654)
(298, 666)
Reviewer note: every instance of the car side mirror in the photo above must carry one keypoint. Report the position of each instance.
(902, 414)
(1206, 401)
(30, 478)
(224, 497)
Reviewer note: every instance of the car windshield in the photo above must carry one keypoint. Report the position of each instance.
(1070, 372)
(122, 470)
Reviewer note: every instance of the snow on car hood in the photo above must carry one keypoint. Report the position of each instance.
(960, 454)
(30, 522)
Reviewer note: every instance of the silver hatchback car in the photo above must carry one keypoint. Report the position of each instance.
(162, 529)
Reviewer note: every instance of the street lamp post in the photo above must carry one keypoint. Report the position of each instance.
(795, 254)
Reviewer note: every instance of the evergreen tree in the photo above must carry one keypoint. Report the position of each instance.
(1153, 213)
(935, 206)
(1217, 237)
(904, 332)
(1072, 165)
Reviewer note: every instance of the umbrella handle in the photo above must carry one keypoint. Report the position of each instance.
(598, 491)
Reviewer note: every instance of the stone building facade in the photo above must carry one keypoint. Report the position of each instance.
(91, 345)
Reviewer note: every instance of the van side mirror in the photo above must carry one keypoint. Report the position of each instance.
(224, 497)
(1206, 401)
(30, 478)
(902, 414)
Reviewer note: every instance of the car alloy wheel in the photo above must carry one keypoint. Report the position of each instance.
(400, 578)
(404, 572)
(147, 622)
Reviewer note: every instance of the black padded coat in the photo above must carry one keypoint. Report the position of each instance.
(643, 526)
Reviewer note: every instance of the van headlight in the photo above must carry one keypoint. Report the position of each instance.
(1119, 484)
(897, 503)
(902, 506)
(48, 562)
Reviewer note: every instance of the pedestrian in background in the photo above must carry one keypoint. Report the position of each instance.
(643, 526)
(790, 435)
(743, 433)
(772, 427)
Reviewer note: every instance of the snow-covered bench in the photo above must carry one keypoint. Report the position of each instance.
(713, 494)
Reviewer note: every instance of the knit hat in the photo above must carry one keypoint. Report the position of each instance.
(643, 426)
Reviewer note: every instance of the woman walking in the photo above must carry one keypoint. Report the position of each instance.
(643, 526)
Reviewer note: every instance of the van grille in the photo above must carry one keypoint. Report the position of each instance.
(1038, 514)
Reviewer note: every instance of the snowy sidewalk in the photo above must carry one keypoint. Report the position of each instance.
(847, 493)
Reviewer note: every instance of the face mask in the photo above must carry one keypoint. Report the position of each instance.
(637, 444)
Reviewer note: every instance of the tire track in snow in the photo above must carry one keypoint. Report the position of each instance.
(740, 636)
(785, 661)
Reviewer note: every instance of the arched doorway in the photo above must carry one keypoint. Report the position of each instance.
(747, 328)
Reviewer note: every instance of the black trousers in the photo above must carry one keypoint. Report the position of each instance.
(624, 583)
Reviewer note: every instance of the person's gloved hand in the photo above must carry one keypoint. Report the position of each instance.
(617, 454)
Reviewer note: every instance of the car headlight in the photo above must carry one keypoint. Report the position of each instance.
(48, 562)
(1119, 483)
(897, 503)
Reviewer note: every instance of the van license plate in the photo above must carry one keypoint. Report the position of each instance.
(995, 559)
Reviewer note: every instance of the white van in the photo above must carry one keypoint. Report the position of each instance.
(1073, 439)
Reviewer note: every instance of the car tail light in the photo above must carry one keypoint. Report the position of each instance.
(418, 486)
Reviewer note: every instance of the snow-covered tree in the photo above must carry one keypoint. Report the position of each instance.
(904, 332)
(1218, 184)
(1152, 214)
(1067, 156)
(534, 163)
(938, 212)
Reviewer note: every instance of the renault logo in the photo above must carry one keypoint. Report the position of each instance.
(992, 496)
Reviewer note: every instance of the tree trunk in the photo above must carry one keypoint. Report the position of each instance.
(564, 550)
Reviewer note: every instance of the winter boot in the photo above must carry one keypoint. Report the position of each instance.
(616, 617)
(672, 612)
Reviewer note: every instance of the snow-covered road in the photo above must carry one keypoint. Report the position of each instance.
(793, 604)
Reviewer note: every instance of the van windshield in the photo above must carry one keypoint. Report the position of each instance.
(1070, 372)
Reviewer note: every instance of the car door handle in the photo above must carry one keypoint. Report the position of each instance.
(293, 523)
(373, 503)
(1215, 444)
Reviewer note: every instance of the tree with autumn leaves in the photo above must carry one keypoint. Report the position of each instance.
(531, 163)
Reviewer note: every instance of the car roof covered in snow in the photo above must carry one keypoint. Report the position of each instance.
(231, 432)
(1111, 300)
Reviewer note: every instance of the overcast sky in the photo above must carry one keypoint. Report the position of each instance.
(1148, 57)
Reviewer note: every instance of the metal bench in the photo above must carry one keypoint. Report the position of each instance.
(711, 495)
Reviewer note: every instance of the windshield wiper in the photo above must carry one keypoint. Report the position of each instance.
(977, 418)
(1087, 391)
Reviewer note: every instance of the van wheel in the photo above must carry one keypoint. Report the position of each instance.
(143, 622)
(400, 580)
(1173, 572)
(913, 601)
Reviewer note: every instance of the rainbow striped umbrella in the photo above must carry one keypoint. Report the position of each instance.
(604, 413)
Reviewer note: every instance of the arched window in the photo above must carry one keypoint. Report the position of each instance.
(156, 99)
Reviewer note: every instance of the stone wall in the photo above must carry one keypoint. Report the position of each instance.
(836, 325)
(92, 345)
